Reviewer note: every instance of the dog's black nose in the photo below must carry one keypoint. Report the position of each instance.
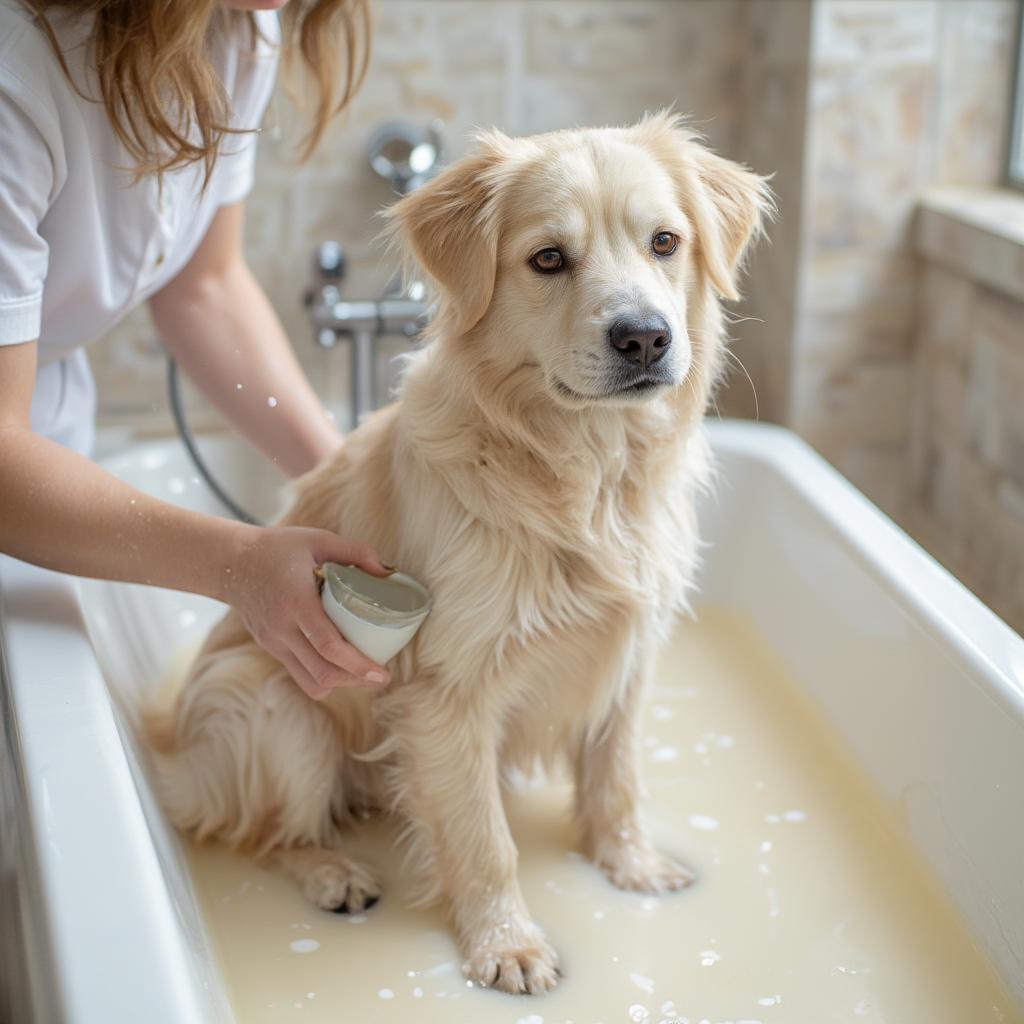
(642, 341)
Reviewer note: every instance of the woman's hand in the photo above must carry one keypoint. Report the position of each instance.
(272, 584)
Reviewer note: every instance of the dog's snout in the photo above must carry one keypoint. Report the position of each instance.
(643, 340)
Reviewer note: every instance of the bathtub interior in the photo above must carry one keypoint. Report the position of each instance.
(924, 684)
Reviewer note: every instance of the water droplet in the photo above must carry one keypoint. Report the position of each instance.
(709, 957)
(766, 846)
(238, 387)
(769, 1000)
(664, 754)
(272, 402)
(417, 992)
(385, 993)
(642, 982)
(303, 945)
(702, 822)
(794, 816)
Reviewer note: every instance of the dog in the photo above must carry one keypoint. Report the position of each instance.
(538, 473)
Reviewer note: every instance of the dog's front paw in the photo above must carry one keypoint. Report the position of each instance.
(342, 886)
(529, 965)
(639, 868)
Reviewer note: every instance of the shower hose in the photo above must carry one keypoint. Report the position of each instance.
(187, 439)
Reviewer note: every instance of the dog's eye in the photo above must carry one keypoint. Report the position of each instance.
(547, 261)
(664, 243)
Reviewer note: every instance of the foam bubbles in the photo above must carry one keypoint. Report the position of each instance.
(643, 983)
(703, 822)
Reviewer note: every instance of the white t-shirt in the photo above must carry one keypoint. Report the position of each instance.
(80, 243)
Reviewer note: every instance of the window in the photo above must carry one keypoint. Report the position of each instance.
(1015, 171)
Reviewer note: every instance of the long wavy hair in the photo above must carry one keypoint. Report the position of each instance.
(161, 92)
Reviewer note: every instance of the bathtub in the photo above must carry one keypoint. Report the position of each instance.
(924, 683)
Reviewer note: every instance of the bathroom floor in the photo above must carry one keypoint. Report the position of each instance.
(809, 907)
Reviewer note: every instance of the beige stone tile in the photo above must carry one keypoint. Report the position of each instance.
(977, 252)
(945, 311)
(843, 404)
(854, 32)
(865, 168)
(854, 281)
(880, 471)
(608, 38)
(995, 410)
(880, 330)
(974, 90)
(778, 31)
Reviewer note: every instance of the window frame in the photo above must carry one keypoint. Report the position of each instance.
(1015, 135)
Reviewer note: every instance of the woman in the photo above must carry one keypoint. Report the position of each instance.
(127, 142)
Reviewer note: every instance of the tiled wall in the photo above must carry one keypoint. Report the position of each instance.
(899, 95)
(967, 409)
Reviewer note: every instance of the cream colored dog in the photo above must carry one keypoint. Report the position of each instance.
(538, 474)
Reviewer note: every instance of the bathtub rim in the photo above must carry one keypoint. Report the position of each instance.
(943, 606)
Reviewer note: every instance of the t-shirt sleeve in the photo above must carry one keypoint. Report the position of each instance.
(26, 184)
(250, 88)
(236, 168)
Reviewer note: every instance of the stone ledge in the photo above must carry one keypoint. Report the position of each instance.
(977, 232)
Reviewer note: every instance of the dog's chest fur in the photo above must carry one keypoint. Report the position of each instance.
(590, 549)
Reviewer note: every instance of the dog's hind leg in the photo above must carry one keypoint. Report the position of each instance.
(607, 803)
(329, 880)
(246, 758)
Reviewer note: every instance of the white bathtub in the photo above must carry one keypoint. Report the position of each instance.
(925, 684)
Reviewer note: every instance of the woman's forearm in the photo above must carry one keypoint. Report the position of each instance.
(223, 331)
(62, 511)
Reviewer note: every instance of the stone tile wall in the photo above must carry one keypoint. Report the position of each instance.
(902, 95)
(967, 410)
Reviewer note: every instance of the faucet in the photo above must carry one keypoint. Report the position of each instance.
(360, 321)
(406, 156)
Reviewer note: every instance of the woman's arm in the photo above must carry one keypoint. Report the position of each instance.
(217, 323)
(62, 511)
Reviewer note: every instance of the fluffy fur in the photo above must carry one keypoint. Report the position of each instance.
(546, 503)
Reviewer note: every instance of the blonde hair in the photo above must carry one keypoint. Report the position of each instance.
(161, 92)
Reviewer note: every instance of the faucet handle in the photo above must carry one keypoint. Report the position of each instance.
(329, 261)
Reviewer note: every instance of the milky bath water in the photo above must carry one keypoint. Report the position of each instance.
(810, 907)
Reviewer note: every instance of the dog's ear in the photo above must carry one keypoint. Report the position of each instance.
(727, 203)
(450, 228)
(729, 211)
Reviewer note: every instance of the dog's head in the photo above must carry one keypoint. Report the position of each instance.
(582, 252)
